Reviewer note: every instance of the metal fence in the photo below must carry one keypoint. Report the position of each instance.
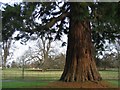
(51, 74)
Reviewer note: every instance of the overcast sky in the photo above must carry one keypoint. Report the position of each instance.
(10, 1)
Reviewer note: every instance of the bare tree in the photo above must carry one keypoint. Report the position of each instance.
(42, 50)
(6, 47)
(118, 55)
(39, 53)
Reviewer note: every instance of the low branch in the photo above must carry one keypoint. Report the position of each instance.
(50, 24)
(54, 20)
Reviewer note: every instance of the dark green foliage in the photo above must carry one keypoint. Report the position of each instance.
(81, 10)
(15, 18)
(104, 18)
(10, 18)
(105, 25)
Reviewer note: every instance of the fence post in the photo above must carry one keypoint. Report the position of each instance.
(23, 69)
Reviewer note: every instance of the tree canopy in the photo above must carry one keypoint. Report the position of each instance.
(54, 18)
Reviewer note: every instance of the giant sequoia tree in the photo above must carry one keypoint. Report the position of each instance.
(80, 64)
(84, 23)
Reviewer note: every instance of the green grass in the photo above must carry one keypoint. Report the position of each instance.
(38, 79)
(110, 74)
(22, 84)
(115, 83)
(17, 74)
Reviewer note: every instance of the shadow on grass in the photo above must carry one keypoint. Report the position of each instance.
(24, 83)
(40, 84)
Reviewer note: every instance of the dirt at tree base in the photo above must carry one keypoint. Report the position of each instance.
(100, 84)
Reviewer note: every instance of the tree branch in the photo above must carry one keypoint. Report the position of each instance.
(50, 24)
(54, 20)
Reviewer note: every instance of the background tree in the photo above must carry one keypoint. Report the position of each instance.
(84, 23)
(45, 48)
(6, 47)
(118, 51)
(11, 22)
(58, 62)
(14, 64)
(0, 55)
(41, 52)
(6, 35)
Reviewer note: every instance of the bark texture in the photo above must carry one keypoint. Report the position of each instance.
(80, 65)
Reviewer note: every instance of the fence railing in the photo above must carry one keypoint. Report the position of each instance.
(51, 74)
(15, 73)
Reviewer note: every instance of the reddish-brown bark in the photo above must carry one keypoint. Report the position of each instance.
(80, 64)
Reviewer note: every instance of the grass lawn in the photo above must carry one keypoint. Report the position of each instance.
(39, 79)
(115, 83)
(22, 84)
(17, 74)
(109, 74)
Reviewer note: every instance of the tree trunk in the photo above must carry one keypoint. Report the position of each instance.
(80, 65)
(46, 48)
(46, 62)
(6, 46)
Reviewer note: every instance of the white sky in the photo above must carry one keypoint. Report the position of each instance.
(10, 1)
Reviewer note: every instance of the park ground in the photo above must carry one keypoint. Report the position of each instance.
(12, 78)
